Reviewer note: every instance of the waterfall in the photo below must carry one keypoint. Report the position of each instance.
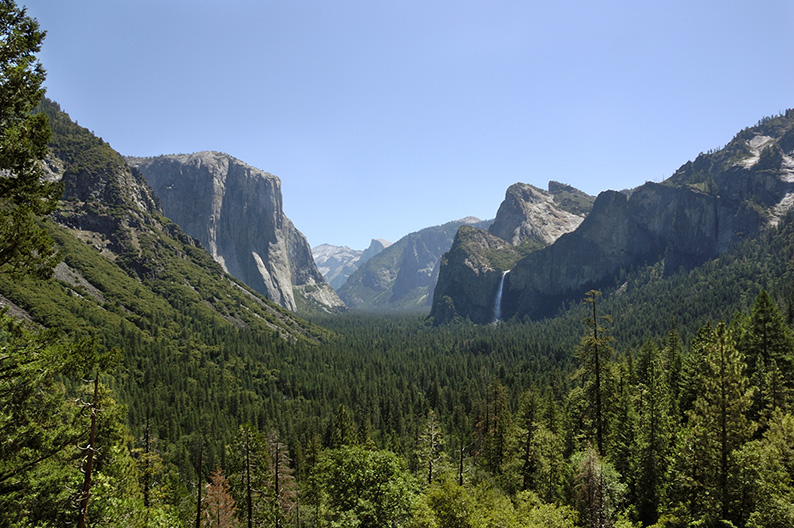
(497, 305)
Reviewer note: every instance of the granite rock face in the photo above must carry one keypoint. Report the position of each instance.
(529, 218)
(680, 225)
(337, 263)
(470, 276)
(236, 212)
(529, 213)
(403, 276)
(694, 216)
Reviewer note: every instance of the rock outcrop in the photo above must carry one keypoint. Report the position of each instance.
(529, 213)
(529, 218)
(337, 263)
(695, 215)
(470, 274)
(403, 276)
(235, 211)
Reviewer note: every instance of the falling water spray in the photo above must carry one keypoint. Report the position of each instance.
(497, 305)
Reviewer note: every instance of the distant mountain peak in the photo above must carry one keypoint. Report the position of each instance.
(530, 213)
(337, 263)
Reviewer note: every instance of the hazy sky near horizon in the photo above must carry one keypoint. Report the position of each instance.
(382, 117)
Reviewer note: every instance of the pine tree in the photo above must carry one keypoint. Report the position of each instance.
(768, 476)
(91, 450)
(693, 369)
(495, 428)
(430, 448)
(598, 490)
(673, 359)
(621, 389)
(594, 352)
(219, 510)
(654, 432)
(530, 415)
(766, 337)
(719, 424)
(343, 429)
(249, 475)
(24, 194)
(283, 487)
(767, 344)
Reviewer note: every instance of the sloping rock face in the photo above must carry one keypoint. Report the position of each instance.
(529, 213)
(375, 246)
(337, 263)
(105, 203)
(403, 276)
(528, 219)
(470, 276)
(108, 210)
(694, 216)
(236, 212)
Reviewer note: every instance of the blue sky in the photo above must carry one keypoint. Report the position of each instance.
(382, 117)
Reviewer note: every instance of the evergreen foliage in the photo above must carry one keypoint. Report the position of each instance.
(187, 400)
(24, 193)
(377, 390)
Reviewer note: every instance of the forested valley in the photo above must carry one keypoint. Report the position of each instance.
(664, 403)
(142, 386)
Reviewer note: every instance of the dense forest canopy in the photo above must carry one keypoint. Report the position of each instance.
(494, 423)
(142, 386)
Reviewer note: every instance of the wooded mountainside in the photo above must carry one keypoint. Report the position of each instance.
(142, 386)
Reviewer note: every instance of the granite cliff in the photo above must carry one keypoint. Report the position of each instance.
(694, 216)
(472, 271)
(235, 211)
(124, 264)
(403, 276)
(337, 263)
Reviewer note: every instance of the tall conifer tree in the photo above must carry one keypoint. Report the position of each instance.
(24, 194)
(594, 352)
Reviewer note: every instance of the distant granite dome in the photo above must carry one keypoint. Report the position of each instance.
(337, 263)
(236, 212)
(375, 246)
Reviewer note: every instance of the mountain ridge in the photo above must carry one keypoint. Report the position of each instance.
(337, 263)
(694, 215)
(402, 277)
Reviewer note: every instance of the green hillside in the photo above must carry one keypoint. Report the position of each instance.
(673, 411)
(130, 278)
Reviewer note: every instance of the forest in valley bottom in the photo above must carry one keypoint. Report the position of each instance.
(665, 401)
(395, 422)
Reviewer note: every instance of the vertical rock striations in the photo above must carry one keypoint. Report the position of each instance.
(236, 212)
(695, 215)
